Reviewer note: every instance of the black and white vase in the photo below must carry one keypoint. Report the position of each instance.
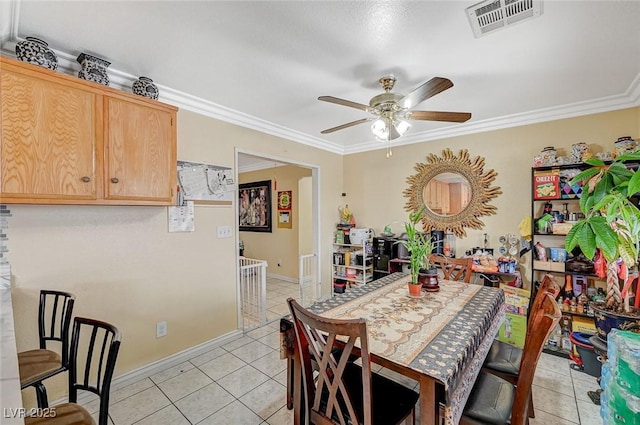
(36, 52)
(93, 69)
(144, 86)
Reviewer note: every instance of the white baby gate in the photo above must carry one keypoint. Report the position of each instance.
(253, 292)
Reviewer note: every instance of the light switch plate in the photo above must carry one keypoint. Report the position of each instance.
(224, 232)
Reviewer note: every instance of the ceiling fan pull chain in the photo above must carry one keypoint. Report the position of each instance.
(389, 153)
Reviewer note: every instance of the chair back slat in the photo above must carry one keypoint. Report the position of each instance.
(96, 361)
(458, 269)
(54, 320)
(542, 321)
(327, 396)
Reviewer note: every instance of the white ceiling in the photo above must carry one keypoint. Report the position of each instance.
(262, 64)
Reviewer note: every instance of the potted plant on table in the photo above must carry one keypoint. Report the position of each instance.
(420, 247)
(610, 232)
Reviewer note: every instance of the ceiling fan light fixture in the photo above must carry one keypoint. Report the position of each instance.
(402, 126)
(380, 129)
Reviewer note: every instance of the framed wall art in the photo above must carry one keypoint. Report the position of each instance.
(284, 209)
(254, 206)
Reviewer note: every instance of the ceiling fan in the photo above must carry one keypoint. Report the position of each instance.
(391, 111)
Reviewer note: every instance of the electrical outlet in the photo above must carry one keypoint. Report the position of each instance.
(161, 329)
(279, 263)
(224, 232)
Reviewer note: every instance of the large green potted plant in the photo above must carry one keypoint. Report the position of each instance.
(611, 228)
(420, 247)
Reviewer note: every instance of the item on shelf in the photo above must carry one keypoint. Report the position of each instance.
(623, 145)
(339, 236)
(93, 69)
(36, 52)
(546, 184)
(580, 152)
(541, 251)
(358, 235)
(449, 245)
(145, 87)
(605, 156)
(558, 254)
(549, 155)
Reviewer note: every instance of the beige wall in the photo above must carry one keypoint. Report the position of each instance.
(374, 184)
(125, 268)
(281, 244)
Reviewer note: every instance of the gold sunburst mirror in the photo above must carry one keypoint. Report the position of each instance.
(455, 189)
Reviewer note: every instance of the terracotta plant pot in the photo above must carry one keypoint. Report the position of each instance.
(414, 290)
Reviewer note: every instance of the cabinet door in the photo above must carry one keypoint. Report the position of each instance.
(48, 143)
(141, 151)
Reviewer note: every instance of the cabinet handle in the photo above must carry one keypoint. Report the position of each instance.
(114, 180)
(86, 179)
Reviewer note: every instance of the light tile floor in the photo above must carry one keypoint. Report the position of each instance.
(243, 383)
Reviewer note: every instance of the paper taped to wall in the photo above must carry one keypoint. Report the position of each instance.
(204, 182)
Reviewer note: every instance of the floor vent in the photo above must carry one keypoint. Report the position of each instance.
(492, 15)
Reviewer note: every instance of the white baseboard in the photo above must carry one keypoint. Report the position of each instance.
(157, 366)
(285, 278)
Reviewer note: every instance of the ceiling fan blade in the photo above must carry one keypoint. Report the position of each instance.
(439, 116)
(347, 125)
(425, 91)
(343, 102)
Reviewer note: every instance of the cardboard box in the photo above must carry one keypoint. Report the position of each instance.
(584, 324)
(546, 184)
(513, 330)
(516, 304)
(549, 266)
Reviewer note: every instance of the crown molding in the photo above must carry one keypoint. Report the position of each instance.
(9, 18)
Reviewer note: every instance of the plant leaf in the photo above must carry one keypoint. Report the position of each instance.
(594, 161)
(605, 237)
(634, 183)
(587, 241)
(571, 240)
(585, 175)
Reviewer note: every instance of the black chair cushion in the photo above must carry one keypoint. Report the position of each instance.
(504, 358)
(390, 401)
(490, 400)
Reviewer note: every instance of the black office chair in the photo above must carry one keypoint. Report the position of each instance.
(90, 370)
(54, 318)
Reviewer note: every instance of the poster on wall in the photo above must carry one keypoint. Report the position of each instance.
(254, 206)
(284, 209)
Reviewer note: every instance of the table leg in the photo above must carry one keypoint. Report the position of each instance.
(429, 407)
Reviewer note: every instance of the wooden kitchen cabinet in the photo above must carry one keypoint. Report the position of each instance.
(140, 159)
(49, 139)
(69, 141)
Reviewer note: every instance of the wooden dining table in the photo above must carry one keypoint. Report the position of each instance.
(439, 340)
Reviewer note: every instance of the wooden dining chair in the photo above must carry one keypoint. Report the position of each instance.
(504, 359)
(92, 360)
(458, 269)
(54, 318)
(495, 401)
(344, 392)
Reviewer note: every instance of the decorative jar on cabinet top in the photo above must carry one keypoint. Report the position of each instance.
(93, 69)
(36, 52)
(144, 86)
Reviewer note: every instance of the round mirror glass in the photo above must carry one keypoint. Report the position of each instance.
(447, 194)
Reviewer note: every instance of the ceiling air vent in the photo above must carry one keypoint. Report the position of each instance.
(492, 15)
